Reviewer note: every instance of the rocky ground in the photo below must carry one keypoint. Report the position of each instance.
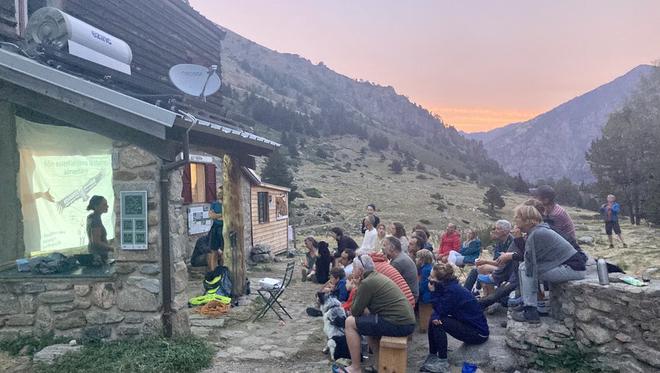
(295, 345)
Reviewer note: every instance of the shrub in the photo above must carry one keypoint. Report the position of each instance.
(571, 358)
(437, 196)
(425, 221)
(396, 166)
(13, 347)
(189, 354)
(321, 153)
(312, 192)
(379, 142)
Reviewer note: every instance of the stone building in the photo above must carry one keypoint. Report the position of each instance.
(72, 129)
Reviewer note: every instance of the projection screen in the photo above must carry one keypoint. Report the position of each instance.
(60, 169)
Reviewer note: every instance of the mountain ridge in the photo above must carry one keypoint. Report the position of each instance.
(571, 125)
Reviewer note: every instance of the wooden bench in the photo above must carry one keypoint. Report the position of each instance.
(393, 355)
(425, 312)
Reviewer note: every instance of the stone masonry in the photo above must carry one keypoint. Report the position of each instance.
(618, 321)
(127, 303)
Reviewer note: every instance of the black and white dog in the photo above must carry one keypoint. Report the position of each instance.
(334, 318)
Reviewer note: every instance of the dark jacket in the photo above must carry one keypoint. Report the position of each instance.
(424, 292)
(453, 300)
(345, 242)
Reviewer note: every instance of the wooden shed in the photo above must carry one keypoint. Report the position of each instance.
(269, 206)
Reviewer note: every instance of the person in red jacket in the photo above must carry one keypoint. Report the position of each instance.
(450, 240)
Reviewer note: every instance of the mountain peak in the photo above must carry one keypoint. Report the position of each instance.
(553, 144)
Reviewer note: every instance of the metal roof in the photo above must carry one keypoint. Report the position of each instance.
(45, 80)
(110, 104)
(240, 135)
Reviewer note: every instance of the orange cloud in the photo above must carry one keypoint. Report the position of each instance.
(474, 119)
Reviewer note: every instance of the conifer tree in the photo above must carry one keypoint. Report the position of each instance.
(493, 198)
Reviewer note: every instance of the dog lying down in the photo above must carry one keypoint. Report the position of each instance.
(334, 318)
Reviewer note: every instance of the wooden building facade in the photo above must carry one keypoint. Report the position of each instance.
(269, 213)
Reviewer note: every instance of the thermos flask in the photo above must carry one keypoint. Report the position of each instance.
(603, 277)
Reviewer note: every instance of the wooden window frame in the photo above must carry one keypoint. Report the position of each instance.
(263, 209)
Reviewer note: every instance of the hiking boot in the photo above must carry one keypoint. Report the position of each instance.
(518, 308)
(437, 365)
(493, 308)
(429, 358)
(529, 315)
(543, 307)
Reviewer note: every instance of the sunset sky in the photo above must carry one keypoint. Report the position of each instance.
(478, 64)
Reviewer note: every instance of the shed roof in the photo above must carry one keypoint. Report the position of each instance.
(256, 180)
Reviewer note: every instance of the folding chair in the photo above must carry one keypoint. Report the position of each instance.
(271, 296)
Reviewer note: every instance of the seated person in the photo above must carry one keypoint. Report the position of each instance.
(470, 250)
(424, 267)
(384, 267)
(414, 245)
(98, 242)
(321, 272)
(421, 228)
(548, 257)
(337, 285)
(389, 314)
(343, 241)
(310, 257)
(370, 235)
(450, 240)
(455, 311)
(346, 261)
(402, 262)
(501, 234)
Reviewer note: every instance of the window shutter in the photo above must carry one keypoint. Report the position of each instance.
(186, 191)
(209, 174)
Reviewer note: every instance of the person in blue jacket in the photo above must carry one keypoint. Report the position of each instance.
(424, 261)
(469, 252)
(610, 213)
(455, 312)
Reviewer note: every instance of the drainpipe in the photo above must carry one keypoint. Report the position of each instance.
(166, 257)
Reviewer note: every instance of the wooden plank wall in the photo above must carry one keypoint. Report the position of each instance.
(8, 20)
(275, 232)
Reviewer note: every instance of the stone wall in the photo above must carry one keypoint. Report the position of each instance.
(81, 309)
(129, 302)
(620, 322)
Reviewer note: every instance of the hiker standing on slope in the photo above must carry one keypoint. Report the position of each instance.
(610, 213)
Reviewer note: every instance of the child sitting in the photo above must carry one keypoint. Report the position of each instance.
(424, 260)
(337, 284)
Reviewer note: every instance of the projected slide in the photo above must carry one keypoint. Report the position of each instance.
(60, 169)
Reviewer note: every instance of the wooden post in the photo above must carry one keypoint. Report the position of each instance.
(234, 256)
(425, 312)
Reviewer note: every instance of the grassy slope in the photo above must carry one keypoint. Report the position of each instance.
(407, 199)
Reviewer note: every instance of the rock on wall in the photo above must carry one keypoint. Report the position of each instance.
(618, 321)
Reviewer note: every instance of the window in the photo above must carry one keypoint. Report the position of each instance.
(262, 199)
(134, 220)
(199, 184)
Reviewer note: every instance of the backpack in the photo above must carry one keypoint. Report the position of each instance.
(216, 286)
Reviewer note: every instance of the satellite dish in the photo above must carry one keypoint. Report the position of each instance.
(195, 80)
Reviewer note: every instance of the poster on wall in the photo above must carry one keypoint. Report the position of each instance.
(61, 168)
(281, 206)
(198, 219)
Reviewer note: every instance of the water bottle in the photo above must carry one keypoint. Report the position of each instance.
(603, 277)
